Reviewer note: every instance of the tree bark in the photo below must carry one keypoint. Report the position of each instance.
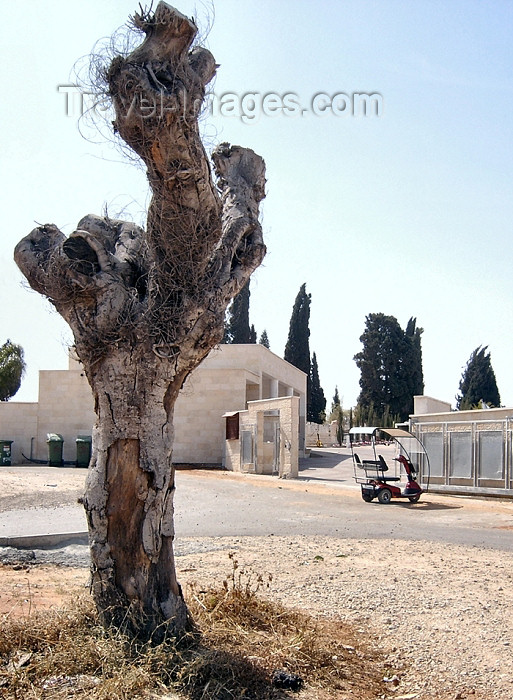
(146, 307)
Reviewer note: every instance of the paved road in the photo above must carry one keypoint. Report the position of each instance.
(225, 504)
(323, 501)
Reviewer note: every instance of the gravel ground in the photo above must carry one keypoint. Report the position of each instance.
(33, 488)
(442, 613)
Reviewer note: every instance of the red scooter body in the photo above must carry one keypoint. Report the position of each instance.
(374, 476)
(382, 488)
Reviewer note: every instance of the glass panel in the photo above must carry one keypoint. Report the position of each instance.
(412, 449)
(460, 463)
(433, 442)
(491, 455)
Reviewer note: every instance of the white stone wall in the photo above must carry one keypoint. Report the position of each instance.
(66, 408)
(232, 455)
(259, 360)
(18, 422)
(198, 421)
(469, 451)
(253, 421)
(227, 380)
(487, 414)
(326, 433)
(230, 377)
(426, 404)
(289, 423)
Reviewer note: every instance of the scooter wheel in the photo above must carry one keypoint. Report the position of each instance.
(414, 499)
(384, 496)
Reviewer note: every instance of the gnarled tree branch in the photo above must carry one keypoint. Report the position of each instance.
(146, 306)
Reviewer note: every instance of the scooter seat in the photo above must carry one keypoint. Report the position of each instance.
(380, 477)
(375, 464)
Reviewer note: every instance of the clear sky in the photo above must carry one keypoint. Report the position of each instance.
(408, 213)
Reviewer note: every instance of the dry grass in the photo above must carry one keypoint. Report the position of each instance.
(240, 639)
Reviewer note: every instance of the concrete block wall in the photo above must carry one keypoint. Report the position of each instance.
(232, 455)
(256, 359)
(275, 376)
(289, 433)
(67, 408)
(327, 433)
(475, 472)
(18, 422)
(486, 414)
(198, 421)
(227, 379)
(427, 404)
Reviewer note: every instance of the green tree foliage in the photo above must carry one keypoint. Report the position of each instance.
(237, 328)
(336, 400)
(337, 414)
(391, 370)
(412, 365)
(367, 415)
(297, 352)
(297, 349)
(478, 383)
(264, 339)
(12, 369)
(317, 402)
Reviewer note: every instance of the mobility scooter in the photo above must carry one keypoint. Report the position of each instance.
(372, 470)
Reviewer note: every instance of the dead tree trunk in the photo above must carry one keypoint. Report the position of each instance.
(146, 307)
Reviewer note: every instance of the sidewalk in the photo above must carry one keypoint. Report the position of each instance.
(333, 465)
(42, 527)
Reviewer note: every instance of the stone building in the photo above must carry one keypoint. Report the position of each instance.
(233, 379)
(469, 452)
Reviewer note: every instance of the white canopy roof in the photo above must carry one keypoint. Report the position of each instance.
(410, 443)
(369, 430)
(363, 430)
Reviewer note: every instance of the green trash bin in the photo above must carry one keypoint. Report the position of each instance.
(84, 444)
(5, 452)
(55, 443)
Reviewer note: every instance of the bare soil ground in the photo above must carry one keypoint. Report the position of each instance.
(441, 614)
(27, 588)
(35, 488)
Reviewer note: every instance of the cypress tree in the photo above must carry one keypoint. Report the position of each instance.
(237, 328)
(412, 364)
(391, 369)
(297, 349)
(337, 414)
(264, 339)
(336, 400)
(478, 383)
(317, 402)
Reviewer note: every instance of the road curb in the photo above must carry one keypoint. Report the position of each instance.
(43, 541)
